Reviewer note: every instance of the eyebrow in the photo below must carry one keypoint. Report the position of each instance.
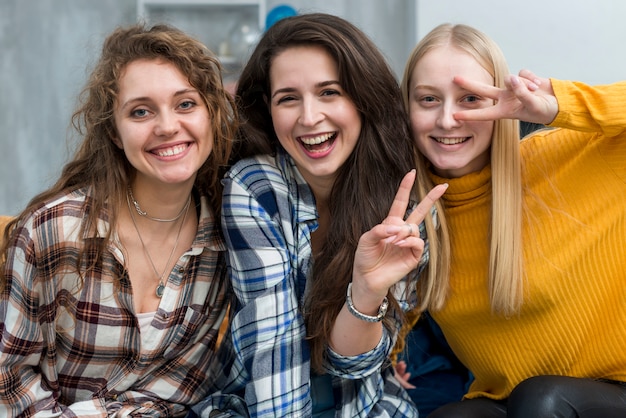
(432, 89)
(424, 86)
(145, 98)
(318, 85)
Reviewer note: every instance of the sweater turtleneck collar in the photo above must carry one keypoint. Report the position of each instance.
(463, 190)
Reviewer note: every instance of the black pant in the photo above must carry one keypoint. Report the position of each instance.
(547, 397)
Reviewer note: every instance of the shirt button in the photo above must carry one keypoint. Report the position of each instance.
(181, 270)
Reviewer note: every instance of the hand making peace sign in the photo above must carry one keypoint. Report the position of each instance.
(526, 97)
(393, 248)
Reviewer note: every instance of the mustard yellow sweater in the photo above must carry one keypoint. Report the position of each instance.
(573, 320)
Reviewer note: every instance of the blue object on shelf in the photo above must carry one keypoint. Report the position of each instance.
(277, 13)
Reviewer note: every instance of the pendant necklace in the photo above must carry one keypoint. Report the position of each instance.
(145, 214)
(161, 286)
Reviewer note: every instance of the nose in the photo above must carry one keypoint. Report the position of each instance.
(310, 112)
(446, 119)
(167, 124)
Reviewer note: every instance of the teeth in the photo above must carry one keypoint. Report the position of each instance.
(450, 141)
(316, 139)
(172, 151)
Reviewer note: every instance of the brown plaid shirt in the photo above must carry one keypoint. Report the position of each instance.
(73, 347)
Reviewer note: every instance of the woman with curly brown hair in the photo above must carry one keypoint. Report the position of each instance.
(114, 284)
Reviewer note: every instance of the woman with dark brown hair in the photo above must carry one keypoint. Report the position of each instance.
(319, 245)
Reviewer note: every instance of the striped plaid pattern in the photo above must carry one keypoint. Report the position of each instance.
(268, 216)
(72, 345)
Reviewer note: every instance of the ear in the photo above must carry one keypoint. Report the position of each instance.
(117, 142)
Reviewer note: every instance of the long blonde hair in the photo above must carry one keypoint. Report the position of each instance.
(505, 259)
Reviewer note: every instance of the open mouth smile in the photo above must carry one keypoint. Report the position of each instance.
(171, 151)
(318, 143)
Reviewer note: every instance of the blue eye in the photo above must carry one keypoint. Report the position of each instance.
(139, 113)
(427, 100)
(187, 104)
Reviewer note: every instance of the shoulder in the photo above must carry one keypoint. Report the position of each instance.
(560, 144)
(272, 182)
(58, 217)
(260, 177)
(257, 171)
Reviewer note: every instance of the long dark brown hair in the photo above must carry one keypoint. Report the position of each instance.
(366, 184)
(98, 163)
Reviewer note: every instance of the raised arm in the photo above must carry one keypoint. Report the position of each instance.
(559, 103)
(385, 254)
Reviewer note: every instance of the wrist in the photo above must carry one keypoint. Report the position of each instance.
(377, 317)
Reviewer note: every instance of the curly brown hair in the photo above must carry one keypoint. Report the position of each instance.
(99, 164)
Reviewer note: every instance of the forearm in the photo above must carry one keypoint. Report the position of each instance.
(352, 336)
(268, 329)
(16, 398)
(358, 326)
(26, 399)
(21, 339)
(269, 335)
(591, 108)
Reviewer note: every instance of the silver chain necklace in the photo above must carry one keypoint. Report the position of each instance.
(145, 214)
(161, 286)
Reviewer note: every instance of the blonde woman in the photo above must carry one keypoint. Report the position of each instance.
(535, 301)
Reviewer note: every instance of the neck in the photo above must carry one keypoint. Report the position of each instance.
(322, 195)
(153, 231)
(159, 207)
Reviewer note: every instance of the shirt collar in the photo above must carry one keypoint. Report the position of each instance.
(299, 188)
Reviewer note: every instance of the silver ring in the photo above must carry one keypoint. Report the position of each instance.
(410, 229)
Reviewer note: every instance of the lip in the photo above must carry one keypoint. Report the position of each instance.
(317, 145)
(171, 151)
(450, 143)
(450, 140)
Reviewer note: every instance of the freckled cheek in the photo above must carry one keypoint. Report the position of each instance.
(140, 133)
(203, 129)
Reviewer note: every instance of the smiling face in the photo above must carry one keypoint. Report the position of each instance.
(162, 122)
(314, 120)
(455, 148)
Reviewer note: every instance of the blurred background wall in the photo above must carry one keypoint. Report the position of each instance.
(47, 48)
